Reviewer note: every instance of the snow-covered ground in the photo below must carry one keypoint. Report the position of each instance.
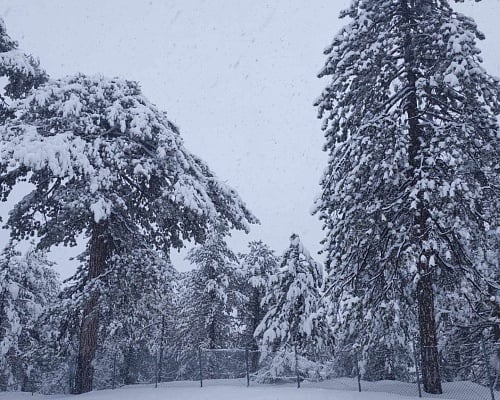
(338, 389)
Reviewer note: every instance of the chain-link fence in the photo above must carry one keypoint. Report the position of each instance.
(467, 371)
(472, 369)
(227, 364)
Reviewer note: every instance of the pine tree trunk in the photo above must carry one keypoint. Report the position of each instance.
(427, 327)
(425, 292)
(99, 249)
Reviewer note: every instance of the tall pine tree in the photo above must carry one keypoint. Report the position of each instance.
(410, 194)
(106, 163)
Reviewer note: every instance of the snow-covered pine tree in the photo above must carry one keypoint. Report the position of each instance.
(214, 294)
(28, 285)
(21, 72)
(257, 265)
(293, 326)
(107, 163)
(411, 190)
(209, 300)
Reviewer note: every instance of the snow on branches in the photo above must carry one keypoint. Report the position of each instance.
(97, 147)
(293, 322)
(410, 194)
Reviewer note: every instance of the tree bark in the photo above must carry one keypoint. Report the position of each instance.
(431, 376)
(99, 251)
(425, 293)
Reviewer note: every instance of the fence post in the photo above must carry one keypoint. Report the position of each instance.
(32, 381)
(156, 369)
(417, 371)
(246, 364)
(358, 373)
(487, 369)
(201, 367)
(114, 372)
(160, 361)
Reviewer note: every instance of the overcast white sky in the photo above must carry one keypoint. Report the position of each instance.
(237, 76)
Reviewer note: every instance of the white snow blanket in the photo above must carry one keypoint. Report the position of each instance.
(230, 389)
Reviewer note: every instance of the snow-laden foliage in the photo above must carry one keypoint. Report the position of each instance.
(410, 199)
(258, 265)
(293, 322)
(22, 71)
(28, 285)
(135, 298)
(98, 150)
(141, 278)
(207, 301)
(106, 163)
(134, 334)
(213, 295)
(182, 351)
(285, 365)
(410, 121)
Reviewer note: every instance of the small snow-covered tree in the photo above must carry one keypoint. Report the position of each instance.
(410, 194)
(28, 285)
(213, 291)
(208, 301)
(106, 163)
(258, 265)
(293, 326)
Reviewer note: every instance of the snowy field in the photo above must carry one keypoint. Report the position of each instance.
(338, 389)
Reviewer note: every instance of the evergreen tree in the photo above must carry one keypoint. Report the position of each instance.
(293, 326)
(27, 286)
(258, 266)
(209, 302)
(213, 295)
(107, 163)
(410, 194)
